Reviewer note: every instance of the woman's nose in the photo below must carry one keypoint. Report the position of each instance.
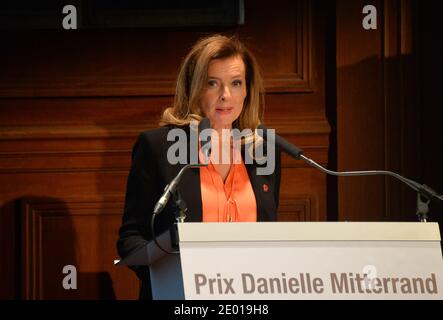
(226, 93)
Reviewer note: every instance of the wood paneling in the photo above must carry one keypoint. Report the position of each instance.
(430, 147)
(376, 110)
(71, 107)
(360, 112)
(60, 68)
(298, 209)
(80, 233)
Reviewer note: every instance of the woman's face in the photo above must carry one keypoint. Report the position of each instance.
(225, 92)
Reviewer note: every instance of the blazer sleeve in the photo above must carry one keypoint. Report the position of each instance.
(141, 192)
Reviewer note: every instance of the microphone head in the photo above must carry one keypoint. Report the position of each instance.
(204, 124)
(263, 131)
(282, 143)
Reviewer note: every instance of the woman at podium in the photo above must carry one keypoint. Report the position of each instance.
(219, 80)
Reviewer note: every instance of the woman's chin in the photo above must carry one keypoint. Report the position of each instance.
(221, 123)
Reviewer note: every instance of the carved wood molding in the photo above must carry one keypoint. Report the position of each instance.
(102, 85)
(69, 148)
(84, 87)
(33, 213)
(297, 80)
(298, 208)
(54, 131)
(64, 131)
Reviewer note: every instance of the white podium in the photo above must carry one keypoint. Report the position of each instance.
(298, 260)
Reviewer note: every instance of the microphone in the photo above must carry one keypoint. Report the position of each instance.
(171, 188)
(284, 144)
(422, 189)
(204, 128)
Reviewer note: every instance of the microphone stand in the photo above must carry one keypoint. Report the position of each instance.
(422, 189)
(172, 190)
(180, 216)
(180, 204)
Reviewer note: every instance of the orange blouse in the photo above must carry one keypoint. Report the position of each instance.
(229, 201)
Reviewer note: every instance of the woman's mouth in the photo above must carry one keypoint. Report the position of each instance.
(223, 111)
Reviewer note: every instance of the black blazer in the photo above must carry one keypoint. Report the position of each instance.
(151, 172)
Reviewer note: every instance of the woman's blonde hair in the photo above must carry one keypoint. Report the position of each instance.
(192, 81)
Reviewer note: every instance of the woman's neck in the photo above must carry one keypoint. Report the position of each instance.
(224, 139)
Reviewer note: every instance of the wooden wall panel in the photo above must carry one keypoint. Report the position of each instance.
(377, 119)
(359, 113)
(430, 147)
(298, 209)
(76, 233)
(72, 105)
(63, 66)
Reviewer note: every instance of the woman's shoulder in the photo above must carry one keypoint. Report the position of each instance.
(151, 142)
(158, 135)
(155, 134)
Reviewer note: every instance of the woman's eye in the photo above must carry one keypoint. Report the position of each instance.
(212, 83)
(237, 83)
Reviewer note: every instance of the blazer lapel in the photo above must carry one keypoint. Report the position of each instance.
(263, 198)
(189, 187)
(191, 193)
